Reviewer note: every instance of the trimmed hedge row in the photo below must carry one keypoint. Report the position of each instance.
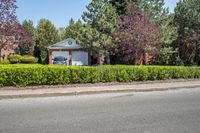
(23, 75)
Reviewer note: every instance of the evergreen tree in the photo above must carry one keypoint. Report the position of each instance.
(156, 10)
(167, 39)
(72, 30)
(71, 21)
(61, 33)
(101, 19)
(47, 35)
(28, 25)
(121, 5)
(187, 18)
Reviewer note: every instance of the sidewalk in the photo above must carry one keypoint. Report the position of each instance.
(95, 89)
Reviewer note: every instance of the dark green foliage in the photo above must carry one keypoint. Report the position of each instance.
(23, 75)
(121, 5)
(187, 18)
(101, 20)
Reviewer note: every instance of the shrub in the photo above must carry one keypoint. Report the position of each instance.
(23, 75)
(27, 59)
(14, 59)
(5, 62)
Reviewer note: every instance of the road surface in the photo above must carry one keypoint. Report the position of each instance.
(149, 112)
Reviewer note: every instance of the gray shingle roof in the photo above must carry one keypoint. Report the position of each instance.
(69, 43)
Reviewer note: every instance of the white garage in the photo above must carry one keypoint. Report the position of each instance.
(70, 51)
(79, 58)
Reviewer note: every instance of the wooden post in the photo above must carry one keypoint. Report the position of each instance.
(70, 57)
(50, 57)
(89, 59)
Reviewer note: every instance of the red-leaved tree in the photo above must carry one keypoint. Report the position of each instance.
(137, 36)
(12, 33)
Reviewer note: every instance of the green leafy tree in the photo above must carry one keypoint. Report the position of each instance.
(47, 34)
(187, 18)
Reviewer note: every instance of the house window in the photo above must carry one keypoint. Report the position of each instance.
(70, 42)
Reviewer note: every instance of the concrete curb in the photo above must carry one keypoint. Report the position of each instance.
(90, 92)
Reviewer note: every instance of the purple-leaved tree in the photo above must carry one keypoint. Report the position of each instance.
(11, 32)
(137, 36)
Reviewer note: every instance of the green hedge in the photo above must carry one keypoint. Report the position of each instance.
(23, 75)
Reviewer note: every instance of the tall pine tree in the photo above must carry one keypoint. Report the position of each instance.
(187, 18)
(101, 19)
(121, 5)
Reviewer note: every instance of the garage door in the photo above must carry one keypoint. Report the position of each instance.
(61, 53)
(79, 58)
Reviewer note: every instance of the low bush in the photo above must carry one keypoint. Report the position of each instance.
(27, 59)
(14, 59)
(23, 75)
(5, 62)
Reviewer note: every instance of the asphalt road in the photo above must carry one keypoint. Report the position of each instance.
(152, 112)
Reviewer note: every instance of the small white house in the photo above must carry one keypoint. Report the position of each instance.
(74, 53)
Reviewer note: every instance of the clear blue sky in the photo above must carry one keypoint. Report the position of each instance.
(58, 11)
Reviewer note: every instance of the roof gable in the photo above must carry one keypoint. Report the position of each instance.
(69, 43)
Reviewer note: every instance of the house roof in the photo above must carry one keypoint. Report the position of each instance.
(69, 43)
